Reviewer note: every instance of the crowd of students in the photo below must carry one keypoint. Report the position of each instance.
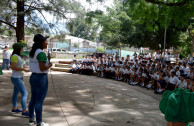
(143, 70)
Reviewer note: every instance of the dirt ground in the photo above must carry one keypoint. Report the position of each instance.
(79, 100)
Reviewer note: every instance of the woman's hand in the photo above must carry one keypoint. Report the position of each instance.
(26, 69)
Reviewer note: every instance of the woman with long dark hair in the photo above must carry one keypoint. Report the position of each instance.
(39, 66)
(17, 79)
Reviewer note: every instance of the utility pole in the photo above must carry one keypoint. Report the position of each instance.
(165, 35)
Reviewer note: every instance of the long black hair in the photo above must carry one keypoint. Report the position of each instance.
(16, 51)
(36, 45)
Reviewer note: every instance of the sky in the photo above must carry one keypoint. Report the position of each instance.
(88, 7)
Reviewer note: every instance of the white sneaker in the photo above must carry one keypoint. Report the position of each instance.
(159, 90)
(149, 86)
(134, 83)
(43, 124)
(142, 84)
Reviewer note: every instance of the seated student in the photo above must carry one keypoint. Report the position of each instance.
(128, 74)
(90, 60)
(120, 73)
(82, 68)
(133, 77)
(82, 60)
(161, 83)
(154, 78)
(125, 71)
(178, 73)
(100, 70)
(73, 67)
(78, 66)
(106, 71)
(182, 83)
(112, 72)
(188, 82)
(144, 78)
(139, 75)
(173, 80)
(90, 69)
(117, 72)
(171, 69)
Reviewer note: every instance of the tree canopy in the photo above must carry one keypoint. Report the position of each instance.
(142, 23)
(19, 16)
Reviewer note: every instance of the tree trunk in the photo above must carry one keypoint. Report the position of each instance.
(20, 20)
(192, 49)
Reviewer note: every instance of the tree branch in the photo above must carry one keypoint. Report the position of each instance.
(8, 24)
(167, 4)
(45, 19)
(35, 8)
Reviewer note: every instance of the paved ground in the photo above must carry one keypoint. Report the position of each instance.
(87, 101)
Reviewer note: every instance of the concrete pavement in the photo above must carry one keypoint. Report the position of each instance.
(86, 101)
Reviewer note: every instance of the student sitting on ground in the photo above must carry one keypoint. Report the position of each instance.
(133, 77)
(161, 83)
(182, 83)
(154, 77)
(112, 72)
(73, 67)
(188, 82)
(125, 73)
(144, 78)
(173, 81)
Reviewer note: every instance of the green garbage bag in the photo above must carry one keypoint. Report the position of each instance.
(177, 105)
(1, 72)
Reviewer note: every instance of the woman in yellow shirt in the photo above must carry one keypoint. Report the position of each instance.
(17, 79)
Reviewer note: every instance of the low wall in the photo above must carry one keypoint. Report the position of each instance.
(66, 55)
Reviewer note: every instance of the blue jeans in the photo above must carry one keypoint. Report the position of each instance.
(39, 88)
(5, 63)
(19, 87)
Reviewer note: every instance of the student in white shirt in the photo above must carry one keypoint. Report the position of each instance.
(125, 71)
(74, 58)
(173, 81)
(188, 83)
(144, 76)
(178, 73)
(167, 57)
(6, 58)
(182, 83)
(154, 77)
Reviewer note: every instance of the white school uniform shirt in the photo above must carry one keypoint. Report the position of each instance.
(128, 71)
(158, 56)
(116, 70)
(106, 68)
(173, 80)
(6, 55)
(189, 85)
(144, 75)
(187, 70)
(121, 70)
(166, 78)
(116, 64)
(178, 73)
(99, 62)
(167, 57)
(125, 71)
(156, 76)
(181, 84)
(73, 65)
